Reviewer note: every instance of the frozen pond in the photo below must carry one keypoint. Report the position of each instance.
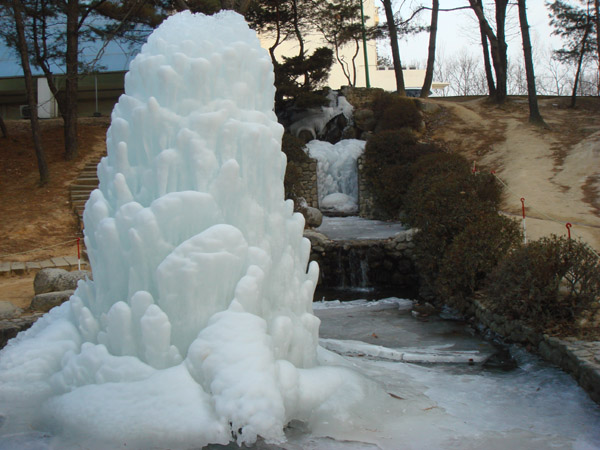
(343, 228)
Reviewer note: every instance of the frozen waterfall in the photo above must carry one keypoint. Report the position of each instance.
(337, 173)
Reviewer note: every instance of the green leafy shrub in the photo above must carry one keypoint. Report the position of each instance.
(549, 281)
(394, 112)
(388, 160)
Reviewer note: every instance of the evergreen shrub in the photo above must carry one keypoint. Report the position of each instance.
(473, 254)
(547, 282)
(293, 149)
(461, 237)
(388, 160)
(394, 112)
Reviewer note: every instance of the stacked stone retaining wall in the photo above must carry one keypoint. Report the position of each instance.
(579, 358)
(305, 185)
(364, 262)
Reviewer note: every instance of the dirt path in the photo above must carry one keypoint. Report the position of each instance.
(556, 170)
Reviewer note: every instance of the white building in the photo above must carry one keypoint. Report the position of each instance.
(379, 77)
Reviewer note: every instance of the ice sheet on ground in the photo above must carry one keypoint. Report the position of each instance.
(387, 330)
(385, 303)
(353, 227)
(535, 406)
(428, 355)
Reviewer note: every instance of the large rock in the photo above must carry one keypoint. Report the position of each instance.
(332, 132)
(45, 302)
(8, 310)
(53, 280)
(313, 216)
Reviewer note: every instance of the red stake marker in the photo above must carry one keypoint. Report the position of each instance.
(568, 225)
(524, 227)
(78, 255)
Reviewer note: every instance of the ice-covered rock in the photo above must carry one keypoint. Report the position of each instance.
(197, 327)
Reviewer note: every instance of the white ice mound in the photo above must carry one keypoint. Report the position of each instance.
(198, 326)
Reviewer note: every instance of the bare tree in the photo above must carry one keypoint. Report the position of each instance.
(497, 41)
(391, 24)
(18, 12)
(487, 65)
(534, 111)
(465, 75)
(3, 128)
(435, 7)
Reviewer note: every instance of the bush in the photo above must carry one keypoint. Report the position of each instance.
(388, 160)
(450, 200)
(460, 231)
(473, 254)
(293, 149)
(394, 112)
(549, 281)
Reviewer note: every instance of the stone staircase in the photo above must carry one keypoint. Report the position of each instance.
(81, 188)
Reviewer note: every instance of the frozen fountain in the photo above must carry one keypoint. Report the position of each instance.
(198, 325)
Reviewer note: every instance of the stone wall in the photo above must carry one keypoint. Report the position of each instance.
(366, 201)
(305, 185)
(579, 358)
(365, 262)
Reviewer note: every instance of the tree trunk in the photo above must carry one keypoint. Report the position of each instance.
(70, 112)
(497, 44)
(586, 33)
(389, 15)
(435, 7)
(597, 8)
(31, 100)
(3, 128)
(534, 112)
(486, 59)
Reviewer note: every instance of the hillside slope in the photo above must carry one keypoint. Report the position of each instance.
(555, 169)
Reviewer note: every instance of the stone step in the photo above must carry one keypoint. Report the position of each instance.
(82, 187)
(76, 195)
(87, 181)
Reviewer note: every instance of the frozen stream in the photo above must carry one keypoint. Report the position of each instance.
(532, 406)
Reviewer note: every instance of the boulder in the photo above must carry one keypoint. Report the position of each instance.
(314, 217)
(8, 310)
(45, 302)
(52, 280)
(364, 119)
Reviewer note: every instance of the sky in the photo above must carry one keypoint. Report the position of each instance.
(457, 32)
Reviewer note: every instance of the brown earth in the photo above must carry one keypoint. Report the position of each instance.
(556, 169)
(37, 222)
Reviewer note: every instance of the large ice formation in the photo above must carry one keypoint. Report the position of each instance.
(337, 173)
(197, 327)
